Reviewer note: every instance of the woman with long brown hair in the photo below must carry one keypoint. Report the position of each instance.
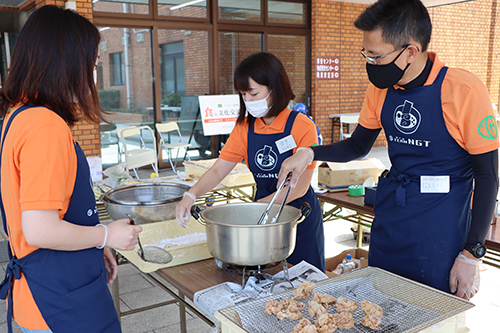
(56, 280)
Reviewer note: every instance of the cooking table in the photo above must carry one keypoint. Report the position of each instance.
(492, 242)
(363, 216)
(184, 281)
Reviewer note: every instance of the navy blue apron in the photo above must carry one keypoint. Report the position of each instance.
(69, 287)
(419, 235)
(264, 160)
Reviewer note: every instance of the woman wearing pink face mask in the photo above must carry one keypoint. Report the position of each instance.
(265, 137)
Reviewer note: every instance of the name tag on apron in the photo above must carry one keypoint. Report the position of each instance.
(434, 184)
(285, 144)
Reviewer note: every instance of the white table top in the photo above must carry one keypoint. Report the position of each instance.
(340, 115)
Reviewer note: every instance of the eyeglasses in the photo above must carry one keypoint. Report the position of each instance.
(373, 60)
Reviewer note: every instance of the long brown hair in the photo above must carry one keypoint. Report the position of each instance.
(52, 65)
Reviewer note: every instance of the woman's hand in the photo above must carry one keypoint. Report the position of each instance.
(296, 164)
(183, 208)
(111, 266)
(122, 235)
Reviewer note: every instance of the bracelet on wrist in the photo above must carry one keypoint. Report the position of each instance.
(105, 235)
(188, 194)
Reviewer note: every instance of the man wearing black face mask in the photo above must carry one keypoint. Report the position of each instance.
(443, 140)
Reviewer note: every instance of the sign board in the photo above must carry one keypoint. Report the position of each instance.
(219, 113)
(327, 68)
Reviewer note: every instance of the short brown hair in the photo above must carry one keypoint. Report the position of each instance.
(267, 70)
(52, 65)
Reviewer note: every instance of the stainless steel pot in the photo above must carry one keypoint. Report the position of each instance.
(234, 237)
(146, 203)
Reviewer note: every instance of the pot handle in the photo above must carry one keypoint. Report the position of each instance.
(305, 208)
(195, 212)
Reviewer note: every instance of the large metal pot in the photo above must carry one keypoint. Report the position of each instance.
(234, 237)
(146, 203)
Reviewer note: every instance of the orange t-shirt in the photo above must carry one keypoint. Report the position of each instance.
(303, 131)
(466, 105)
(39, 167)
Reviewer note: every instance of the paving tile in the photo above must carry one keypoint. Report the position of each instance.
(151, 320)
(145, 297)
(15, 328)
(124, 307)
(192, 326)
(3, 312)
(126, 270)
(133, 282)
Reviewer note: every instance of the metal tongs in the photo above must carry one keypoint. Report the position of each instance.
(265, 216)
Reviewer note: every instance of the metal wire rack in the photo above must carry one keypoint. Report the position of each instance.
(408, 306)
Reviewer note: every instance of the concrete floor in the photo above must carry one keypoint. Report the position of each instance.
(137, 291)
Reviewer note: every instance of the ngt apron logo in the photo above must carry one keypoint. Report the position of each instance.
(266, 158)
(406, 118)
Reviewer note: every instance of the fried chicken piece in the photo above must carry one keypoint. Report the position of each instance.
(373, 315)
(287, 308)
(324, 299)
(315, 309)
(326, 323)
(305, 290)
(309, 329)
(344, 320)
(303, 323)
(345, 305)
(273, 307)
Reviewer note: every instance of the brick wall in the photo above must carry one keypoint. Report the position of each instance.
(465, 35)
(87, 135)
(334, 35)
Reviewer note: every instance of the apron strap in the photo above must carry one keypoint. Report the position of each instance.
(403, 180)
(11, 271)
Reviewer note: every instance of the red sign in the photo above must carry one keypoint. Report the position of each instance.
(327, 68)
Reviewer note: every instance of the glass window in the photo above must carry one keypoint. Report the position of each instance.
(7, 41)
(234, 47)
(124, 74)
(183, 8)
(172, 68)
(117, 72)
(286, 12)
(247, 10)
(120, 6)
(291, 51)
(184, 76)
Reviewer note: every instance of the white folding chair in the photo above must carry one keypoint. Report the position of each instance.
(136, 153)
(167, 144)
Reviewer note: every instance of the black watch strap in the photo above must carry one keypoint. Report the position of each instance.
(477, 250)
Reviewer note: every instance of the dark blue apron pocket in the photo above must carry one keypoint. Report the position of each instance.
(93, 303)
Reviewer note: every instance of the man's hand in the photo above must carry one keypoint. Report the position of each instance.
(464, 276)
(296, 164)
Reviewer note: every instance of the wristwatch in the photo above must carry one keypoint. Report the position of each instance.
(477, 250)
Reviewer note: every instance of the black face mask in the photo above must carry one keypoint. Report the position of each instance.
(385, 76)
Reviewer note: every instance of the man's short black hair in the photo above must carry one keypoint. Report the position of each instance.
(399, 20)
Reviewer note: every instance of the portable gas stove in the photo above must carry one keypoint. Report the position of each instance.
(257, 272)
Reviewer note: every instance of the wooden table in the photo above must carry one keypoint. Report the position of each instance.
(362, 216)
(492, 242)
(185, 280)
